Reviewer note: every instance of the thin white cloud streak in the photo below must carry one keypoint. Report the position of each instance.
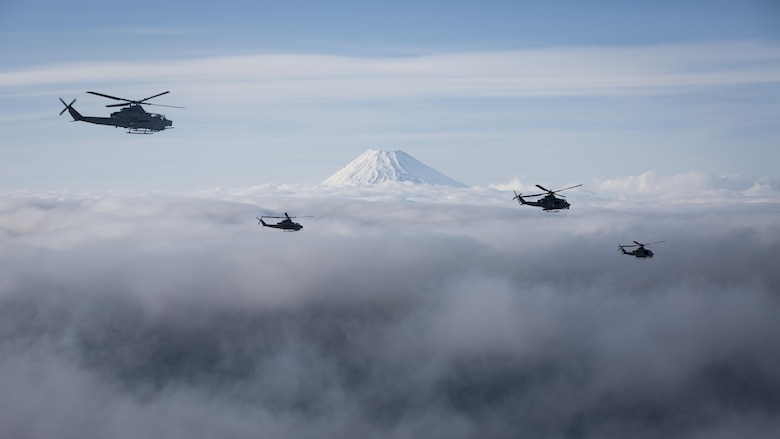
(542, 72)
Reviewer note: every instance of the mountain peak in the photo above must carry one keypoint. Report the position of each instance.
(375, 166)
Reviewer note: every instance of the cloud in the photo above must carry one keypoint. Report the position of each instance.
(652, 183)
(400, 311)
(575, 71)
(691, 189)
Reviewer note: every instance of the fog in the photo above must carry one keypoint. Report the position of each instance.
(398, 311)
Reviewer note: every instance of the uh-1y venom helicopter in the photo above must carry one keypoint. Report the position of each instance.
(133, 116)
(286, 224)
(640, 252)
(549, 201)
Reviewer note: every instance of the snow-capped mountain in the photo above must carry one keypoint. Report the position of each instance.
(374, 166)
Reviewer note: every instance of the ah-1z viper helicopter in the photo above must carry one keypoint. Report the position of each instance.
(286, 224)
(133, 116)
(549, 201)
(640, 252)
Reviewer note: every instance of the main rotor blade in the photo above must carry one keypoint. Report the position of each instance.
(109, 96)
(120, 105)
(657, 242)
(161, 105)
(533, 195)
(567, 188)
(543, 188)
(638, 243)
(152, 97)
(287, 216)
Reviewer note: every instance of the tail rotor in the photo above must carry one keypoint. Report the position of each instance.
(67, 106)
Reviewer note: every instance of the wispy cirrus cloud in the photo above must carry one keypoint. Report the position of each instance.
(542, 72)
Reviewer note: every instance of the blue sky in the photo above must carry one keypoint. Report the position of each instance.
(485, 92)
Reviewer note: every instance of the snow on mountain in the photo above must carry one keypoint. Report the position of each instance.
(374, 167)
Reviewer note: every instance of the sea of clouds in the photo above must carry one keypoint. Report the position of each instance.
(398, 311)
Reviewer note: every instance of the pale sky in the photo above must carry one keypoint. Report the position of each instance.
(485, 92)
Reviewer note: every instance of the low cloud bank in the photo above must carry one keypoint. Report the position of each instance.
(394, 313)
(698, 188)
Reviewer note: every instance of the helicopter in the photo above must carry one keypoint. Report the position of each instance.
(285, 224)
(132, 116)
(549, 201)
(640, 252)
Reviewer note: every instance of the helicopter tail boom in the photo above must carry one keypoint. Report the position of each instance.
(519, 198)
(260, 221)
(75, 114)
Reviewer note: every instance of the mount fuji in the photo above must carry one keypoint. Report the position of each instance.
(374, 167)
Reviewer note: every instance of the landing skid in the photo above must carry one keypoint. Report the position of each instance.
(146, 130)
(140, 131)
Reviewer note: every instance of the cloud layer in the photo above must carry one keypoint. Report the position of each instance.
(397, 312)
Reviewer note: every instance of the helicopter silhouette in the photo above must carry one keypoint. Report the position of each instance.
(285, 224)
(132, 116)
(549, 201)
(640, 252)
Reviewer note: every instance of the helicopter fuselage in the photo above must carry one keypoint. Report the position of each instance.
(286, 225)
(133, 117)
(548, 202)
(638, 253)
(136, 117)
